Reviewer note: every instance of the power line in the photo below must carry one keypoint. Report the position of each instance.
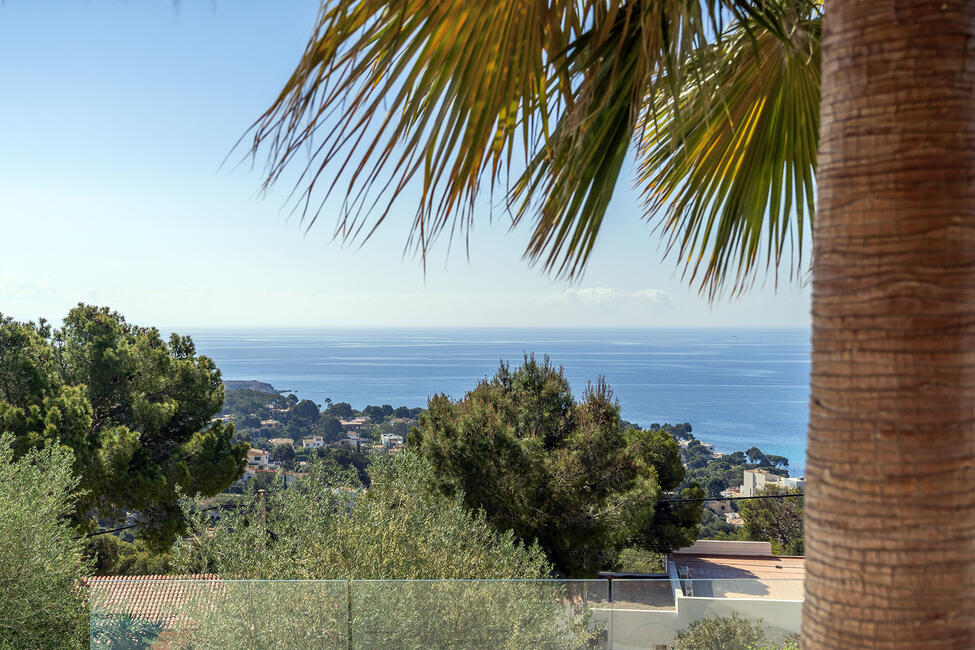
(234, 507)
(146, 523)
(761, 496)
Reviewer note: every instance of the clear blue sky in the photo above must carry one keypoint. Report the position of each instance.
(115, 120)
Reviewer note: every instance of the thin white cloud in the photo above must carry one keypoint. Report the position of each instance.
(656, 298)
(13, 285)
(609, 299)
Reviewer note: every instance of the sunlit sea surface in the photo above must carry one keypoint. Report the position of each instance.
(738, 387)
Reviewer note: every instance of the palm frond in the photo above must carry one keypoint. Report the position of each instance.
(727, 168)
(444, 91)
(570, 181)
(453, 95)
(458, 94)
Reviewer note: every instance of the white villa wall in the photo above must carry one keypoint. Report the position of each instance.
(727, 547)
(754, 480)
(642, 629)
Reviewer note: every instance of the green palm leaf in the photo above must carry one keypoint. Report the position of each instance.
(443, 91)
(728, 169)
(454, 95)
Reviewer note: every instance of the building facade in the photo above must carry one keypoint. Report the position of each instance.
(755, 480)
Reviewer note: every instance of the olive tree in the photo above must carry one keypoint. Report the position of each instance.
(431, 564)
(42, 566)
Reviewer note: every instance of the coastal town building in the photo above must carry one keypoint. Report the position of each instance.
(390, 440)
(755, 480)
(732, 492)
(719, 506)
(708, 447)
(258, 458)
(724, 509)
(354, 424)
(290, 478)
(315, 442)
(277, 442)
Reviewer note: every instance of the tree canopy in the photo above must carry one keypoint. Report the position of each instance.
(136, 411)
(326, 527)
(778, 521)
(341, 410)
(554, 470)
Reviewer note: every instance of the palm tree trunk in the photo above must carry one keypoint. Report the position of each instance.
(890, 511)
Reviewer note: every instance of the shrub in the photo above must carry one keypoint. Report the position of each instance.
(42, 566)
(726, 633)
(328, 527)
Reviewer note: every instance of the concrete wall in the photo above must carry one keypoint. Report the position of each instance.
(643, 629)
(731, 547)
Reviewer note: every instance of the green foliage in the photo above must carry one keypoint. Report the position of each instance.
(727, 633)
(124, 632)
(679, 431)
(41, 564)
(374, 413)
(756, 457)
(327, 527)
(243, 402)
(718, 474)
(554, 470)
(135, 410)
(307, 410)
(346, 458)
(331, 428)
(113, 556)
(284, 454)
(302, 419)
(791, 642)
(778, 521)
(727, 162)
(715, 527)
(638, 560)
(341, 410)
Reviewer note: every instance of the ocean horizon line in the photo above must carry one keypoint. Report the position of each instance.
(573, 328)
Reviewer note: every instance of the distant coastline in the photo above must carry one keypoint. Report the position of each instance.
(739, 387)
(249, 384)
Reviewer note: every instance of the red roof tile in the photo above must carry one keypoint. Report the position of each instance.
(156, 598)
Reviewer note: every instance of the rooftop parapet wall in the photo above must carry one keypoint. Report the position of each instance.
(728, 548)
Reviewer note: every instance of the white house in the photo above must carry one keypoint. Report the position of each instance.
(756, 479)
(257, 458)
(706, 580)
(389, 440)
(315, 442)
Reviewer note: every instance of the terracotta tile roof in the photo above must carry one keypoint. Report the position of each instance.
(155, 598)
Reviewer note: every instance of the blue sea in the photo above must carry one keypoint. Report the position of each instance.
(737, 387)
